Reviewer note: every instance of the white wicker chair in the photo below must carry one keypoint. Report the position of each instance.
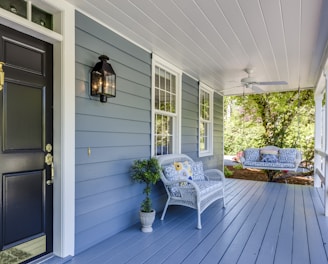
(191, 193)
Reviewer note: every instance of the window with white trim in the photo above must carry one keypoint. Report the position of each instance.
(205, 121)
(166, 108)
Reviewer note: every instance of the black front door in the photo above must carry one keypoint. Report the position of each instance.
(26, 143)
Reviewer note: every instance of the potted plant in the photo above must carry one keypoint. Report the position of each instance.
(146, 171)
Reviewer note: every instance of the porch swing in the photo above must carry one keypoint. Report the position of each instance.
(272, 158)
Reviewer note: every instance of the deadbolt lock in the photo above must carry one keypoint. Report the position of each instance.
(48, 147)
(48, 159)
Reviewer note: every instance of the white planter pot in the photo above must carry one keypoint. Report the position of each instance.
(147, 220)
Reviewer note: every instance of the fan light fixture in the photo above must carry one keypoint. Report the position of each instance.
(103, 80)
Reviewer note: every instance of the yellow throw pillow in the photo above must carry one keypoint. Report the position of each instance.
(184, 170)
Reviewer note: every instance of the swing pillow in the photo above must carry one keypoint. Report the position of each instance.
(252, 154)
(269, 155)
(287, 155)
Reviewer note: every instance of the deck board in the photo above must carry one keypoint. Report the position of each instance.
(262, 223)
(257, 237)
(317, 252)
(268, 247)
(237, 230)
(238, 206)
(300, 243)
(284, 248)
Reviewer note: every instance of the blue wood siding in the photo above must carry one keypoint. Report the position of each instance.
(190, 122)
(189, 117)
(218, 142)
(118, 132)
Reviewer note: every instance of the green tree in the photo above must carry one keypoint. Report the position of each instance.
(280, 119)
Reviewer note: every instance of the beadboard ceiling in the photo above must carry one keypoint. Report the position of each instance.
(215, 40)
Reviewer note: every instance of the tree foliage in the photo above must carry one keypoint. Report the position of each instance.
(280, 119)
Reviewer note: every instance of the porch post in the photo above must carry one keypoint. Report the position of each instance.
(318, 137)
(325, 140)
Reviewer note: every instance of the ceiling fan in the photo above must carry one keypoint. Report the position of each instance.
(251, 82)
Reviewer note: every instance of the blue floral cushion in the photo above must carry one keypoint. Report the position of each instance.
(287, 155)
(197, 171)
(252, 154)
(170, 172)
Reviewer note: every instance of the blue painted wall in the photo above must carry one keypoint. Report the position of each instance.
(119, 131)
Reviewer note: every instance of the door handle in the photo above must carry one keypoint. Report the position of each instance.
(48, 159)
(51, 181)
(2, 76)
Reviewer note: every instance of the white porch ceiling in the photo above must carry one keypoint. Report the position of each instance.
(215, 40)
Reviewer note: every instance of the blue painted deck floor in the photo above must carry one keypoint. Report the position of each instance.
(262, 223)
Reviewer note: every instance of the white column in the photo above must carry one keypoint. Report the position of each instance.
(318, 137)
(64, 130)
(325, 124)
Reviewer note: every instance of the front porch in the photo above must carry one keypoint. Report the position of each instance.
(262, 223)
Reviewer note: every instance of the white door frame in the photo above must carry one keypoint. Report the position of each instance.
(63, 40)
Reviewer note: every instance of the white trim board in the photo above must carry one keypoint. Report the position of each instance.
(64, 113)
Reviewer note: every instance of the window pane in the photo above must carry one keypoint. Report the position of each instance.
(163, 134)
(167, 102)
(162, 100)
(168, 82)
(156, 77)
(156, 99)
(173, 88)
(162, 79)
(173, 100)
(205, 122)
(202, 99)
(203, 136)
(205, 105)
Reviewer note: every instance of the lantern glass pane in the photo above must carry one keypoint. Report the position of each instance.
(96, 83)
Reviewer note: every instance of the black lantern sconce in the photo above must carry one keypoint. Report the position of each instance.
(103, 80)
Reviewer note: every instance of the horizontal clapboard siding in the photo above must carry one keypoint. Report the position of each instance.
(218, 144)
(189, 117)
(118, 132)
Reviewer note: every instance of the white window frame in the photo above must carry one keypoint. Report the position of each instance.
(176, 143)
(209, 148)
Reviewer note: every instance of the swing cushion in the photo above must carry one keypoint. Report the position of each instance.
(271, 158)
(268, 165)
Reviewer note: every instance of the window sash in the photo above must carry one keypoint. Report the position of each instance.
(165, 105)
(205, 121)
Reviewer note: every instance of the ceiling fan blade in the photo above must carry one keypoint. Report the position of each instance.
(257, 89)
(272, 83)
